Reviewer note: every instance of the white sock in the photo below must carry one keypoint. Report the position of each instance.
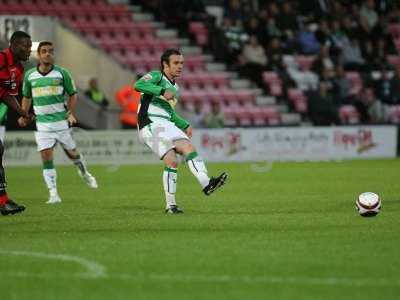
(79, 162)
(50, 177)
(198, 168)
(170, 177)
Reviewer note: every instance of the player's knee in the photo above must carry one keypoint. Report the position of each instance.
(170, 159)
(185, 147)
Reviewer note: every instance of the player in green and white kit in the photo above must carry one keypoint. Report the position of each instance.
(45, 86)
(166, 133)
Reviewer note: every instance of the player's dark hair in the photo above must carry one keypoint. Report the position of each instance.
(18, 35)
(43, 43)
(166, 55)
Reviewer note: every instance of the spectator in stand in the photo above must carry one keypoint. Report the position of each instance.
(368, 53)
(368, 15)
(321, 107)
(323, 33)
(323, 61)
(307, 40)
(235, 38)
(233, 10)
(196, 11)
(173, 13)
(342, 87)
(384, 88)
(275, 55)
(95, 94)
(128, 98)
(253, 27)
(253, 61)
(351, 54)
(373, 106)
(395, 84)
(268, 26)
(315, 8)
(196, 117)
(338, 38)
(215, 118)
(287, 20)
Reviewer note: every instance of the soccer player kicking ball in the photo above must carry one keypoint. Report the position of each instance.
(46, 86)
(167, 134)
(11, 73)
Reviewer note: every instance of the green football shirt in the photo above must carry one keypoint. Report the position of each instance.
(152, 85)
(47, 92)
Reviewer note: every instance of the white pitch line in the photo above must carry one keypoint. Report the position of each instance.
(141, 277)
(329, 281)
(96, 271)
(92, 269)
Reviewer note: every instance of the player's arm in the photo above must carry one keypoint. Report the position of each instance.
(181, 123)
(26, 106)
(70, 88)
(13, 103)
(148, 85)
(71, 105)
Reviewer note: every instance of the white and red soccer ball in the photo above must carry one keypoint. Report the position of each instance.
(368, 204)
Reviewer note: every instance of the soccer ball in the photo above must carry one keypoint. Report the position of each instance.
(368, 204)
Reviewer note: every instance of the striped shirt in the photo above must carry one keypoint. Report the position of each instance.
(47, 92)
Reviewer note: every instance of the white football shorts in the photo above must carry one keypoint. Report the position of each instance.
(160, 136)
(49, 139)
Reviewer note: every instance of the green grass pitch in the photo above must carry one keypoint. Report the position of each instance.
(289, 233)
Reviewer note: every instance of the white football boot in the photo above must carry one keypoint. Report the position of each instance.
(89, 179)
(54, 197)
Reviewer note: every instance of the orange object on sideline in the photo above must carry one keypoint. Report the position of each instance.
(128, 98)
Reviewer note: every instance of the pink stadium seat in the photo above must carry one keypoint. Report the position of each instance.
(245, 96)
(200, 32)
(194, 62)
(229, 96)
(271, 114)
(230, 115)
(214, 95)
(219, 79)
(396, 42)
(393, 60)
(394, 114)
(348, 114)
(299, 100)
(274, 83)
(244, 115)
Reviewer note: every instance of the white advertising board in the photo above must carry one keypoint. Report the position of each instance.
(120, 147)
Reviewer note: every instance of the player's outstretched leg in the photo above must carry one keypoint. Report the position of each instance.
(170, 177)
(83, 172)
(199, 170)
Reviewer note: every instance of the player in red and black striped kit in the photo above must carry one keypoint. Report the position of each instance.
(11, 76)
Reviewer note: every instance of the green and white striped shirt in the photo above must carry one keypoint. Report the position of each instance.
(47, 92)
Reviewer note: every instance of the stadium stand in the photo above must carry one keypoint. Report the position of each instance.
(135, 36)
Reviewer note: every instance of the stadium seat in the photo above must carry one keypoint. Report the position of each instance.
(394, 60)
(230, 115)
(348, 114)
(298, 99)
(200, 33)
(274, 83)
(394, 114)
